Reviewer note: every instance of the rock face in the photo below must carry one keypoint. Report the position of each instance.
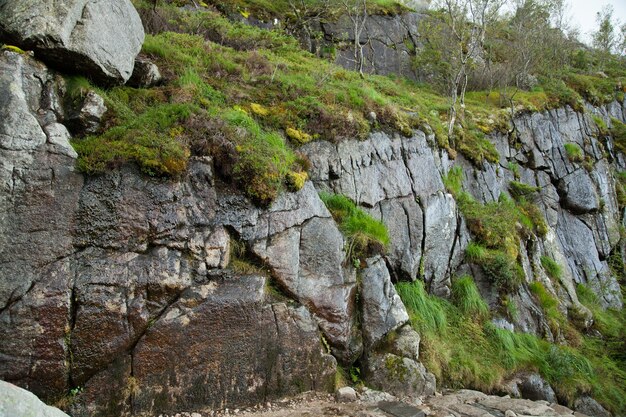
(158, 295)
(16, 401)
(399, 182)
(388, 42)
(97, 38)
(128, 290)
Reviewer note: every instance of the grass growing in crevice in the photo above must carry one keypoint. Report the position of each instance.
(365, 235)
(498, 228)
(464, 350)
(574, 152)
(552, 268)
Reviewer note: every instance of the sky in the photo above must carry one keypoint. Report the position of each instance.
(583, 13)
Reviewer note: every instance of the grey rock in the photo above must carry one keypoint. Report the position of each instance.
(16, 401)
(401, 377)
(145, 74)
(388, 42)
(84, 116)
(308, 264)
(346, 395)
(383, 311)
(406, 343)
(404, 220)
(534, 387)
(590, 407)
(100, 39)
(398, 409)
(440, 229)
(579, 194)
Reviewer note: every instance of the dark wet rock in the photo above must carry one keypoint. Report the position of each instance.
(532, 387)
(590, 407)
(85, 113)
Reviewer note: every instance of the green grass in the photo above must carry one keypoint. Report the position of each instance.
(552, 268)
(519, 190)
(618, 132)
(466, 297)
(365, 234)
(464, 350)
(574, 152)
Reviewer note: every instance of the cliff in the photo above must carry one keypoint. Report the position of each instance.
(123, 293)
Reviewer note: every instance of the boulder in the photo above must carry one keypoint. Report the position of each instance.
(97, 38)
(383, 310)
(15, 401)
(84, 115)
(590, 407)
(346, 395)
(145, 74)
(399, 376)
(534, 387)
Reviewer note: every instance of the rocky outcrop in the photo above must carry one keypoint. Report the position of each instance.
(129, 285)
(16, 401)
(398, 180)
(99, 39)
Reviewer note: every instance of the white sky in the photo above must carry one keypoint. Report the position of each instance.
(583, 13)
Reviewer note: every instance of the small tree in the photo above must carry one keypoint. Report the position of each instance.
(356, 10)
(467, 22)
(604, 37)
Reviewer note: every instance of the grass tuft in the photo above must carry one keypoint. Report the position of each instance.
(365, 234)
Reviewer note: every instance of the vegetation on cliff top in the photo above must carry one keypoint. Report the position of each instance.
(258, 96)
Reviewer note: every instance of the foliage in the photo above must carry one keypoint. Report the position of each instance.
(552, 268)
(618, 132)
(365, 234)
(466, 351)
(466, 297)
(574, 152)
(520, 191)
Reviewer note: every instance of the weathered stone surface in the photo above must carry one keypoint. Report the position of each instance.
(441, 232)
(579, 194)
(84, 116)
(534, 387)
(15, 401)
(237, 350)
(145, 74)
(91, 37)
(39, 193)
(383, 311)
(590, 407)
(308, 264)
(402, 377)
(388, 42)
